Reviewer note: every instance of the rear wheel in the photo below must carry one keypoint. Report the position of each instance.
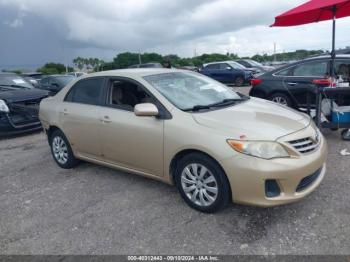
(239, 81)
(62, 151)
(202, 183)
(345, 134)
(281, 99)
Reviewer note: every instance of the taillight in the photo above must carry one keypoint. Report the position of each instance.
(255, 81)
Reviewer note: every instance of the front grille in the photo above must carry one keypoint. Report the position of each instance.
(305, 145)
(307, 181)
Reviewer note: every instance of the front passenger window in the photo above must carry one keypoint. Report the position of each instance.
(86, 91)
(125, 95)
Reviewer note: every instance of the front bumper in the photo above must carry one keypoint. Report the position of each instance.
(247, 176)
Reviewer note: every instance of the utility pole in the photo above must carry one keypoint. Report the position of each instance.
(64, 58)
(140, 62)
(274, 51)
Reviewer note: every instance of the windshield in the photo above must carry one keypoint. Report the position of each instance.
(65, 80)
(254, 63)
(188, 90)
(236, 65)
(14, 81)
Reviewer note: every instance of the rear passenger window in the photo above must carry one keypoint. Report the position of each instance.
(311, 69)
(87, 91)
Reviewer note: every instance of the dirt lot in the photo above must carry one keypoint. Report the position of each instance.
(96, 210)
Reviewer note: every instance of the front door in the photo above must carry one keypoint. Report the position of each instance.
(129, 140)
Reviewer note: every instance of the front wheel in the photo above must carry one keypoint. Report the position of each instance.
(61, 150)
(202, 183)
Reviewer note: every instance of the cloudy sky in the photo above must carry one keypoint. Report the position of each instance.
(36, 31)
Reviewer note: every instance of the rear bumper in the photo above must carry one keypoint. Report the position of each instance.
(9, 128)
(248, 175)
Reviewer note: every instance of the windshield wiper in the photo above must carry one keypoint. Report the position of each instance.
(225, 102)
(228, 101)
(197, 108)
(16, 86)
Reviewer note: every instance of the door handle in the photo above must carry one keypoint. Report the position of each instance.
(106, 119)
(292, 83)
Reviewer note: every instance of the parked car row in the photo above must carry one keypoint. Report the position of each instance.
(238, 72)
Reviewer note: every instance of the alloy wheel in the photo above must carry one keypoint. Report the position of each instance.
(199, 184)
(280, 100)
(60, 150)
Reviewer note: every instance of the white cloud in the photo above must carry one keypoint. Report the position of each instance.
(180, 26)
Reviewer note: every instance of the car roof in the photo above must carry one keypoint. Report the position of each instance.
(219, 62)
(138, 72)
(327, 56)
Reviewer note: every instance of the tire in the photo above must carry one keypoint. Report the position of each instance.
(211, 191)
(281, 99)
(61, 150)
(239, 81)
(345, 134)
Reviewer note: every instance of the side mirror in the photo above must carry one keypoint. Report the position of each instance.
(228, 68)
(146, 109)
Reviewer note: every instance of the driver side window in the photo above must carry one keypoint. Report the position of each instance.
(125, 95)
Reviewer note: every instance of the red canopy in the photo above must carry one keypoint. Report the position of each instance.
(314, 11)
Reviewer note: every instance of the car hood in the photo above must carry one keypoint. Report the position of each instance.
(22, 95)
(256, 119)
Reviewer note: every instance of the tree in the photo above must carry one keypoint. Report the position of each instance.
(79, 62)
(54, 68)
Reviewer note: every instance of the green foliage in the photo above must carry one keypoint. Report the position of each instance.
(124, 60)
(89, 63)
(53, 69)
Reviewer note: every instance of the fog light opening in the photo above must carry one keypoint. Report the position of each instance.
(272, 188)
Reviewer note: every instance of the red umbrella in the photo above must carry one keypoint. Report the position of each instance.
(315, 11)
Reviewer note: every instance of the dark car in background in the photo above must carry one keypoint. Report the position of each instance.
(19, 105)
(228, 72)
(35, 75)
(33, 78)
(291, 85)
(260, 68)
(54, 83)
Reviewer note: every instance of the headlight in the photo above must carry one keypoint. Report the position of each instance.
(265, 150)
(3, 107)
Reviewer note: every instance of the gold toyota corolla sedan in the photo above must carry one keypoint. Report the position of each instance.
(186, 129)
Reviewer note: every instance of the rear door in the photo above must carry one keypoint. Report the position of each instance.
(213, 71)
(299, 78)
(79, 116)
(227, 73)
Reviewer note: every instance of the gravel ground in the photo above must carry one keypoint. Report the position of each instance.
(97, 210)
